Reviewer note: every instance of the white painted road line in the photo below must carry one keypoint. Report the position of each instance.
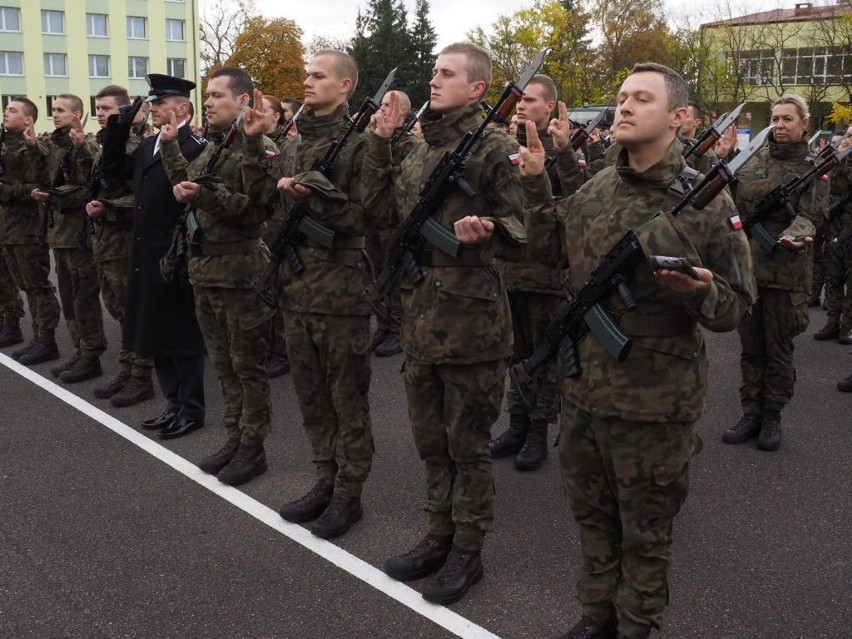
(356, 567)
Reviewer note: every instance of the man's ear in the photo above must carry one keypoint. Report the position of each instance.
(679, 116)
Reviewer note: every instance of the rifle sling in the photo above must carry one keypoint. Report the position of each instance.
(655, 325)
(434, 257)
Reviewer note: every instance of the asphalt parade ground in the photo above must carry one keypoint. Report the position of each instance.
(108, 532)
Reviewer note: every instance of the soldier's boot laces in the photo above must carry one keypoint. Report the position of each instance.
(84, 368)
(534, 452)
(770, 434)
(112, 386)
(247, 463)
(278, 365)
(61, 367)
(588, 628)
(136, 390)
(511, 440)
(310, 506)
(43, 350)
(462, 570)
(829, 331)
(342, 513)
(389, 347)
(10, 334)
(422, 560)
(745, 429)
(214, 463)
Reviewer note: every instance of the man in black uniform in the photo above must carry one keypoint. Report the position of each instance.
(160, 316)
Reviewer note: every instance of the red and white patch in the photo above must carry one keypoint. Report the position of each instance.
(735, 222)
(515, 159)
(824, 177)
(270, 154)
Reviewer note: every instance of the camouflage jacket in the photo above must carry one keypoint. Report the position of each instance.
(773, 165)
(278, 210)
(20, 222)
(841, 184)
(382, 204)
(457, 314)
(334, 279)
(702, 163)
(69, 190)
(664, 379)
(234, 201)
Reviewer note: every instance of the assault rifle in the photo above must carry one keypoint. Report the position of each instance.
(840, 243)
(298, 221)
(781, 198)
(579, 137)
(292, 121)
(447, 175)
(715, 131)
(584, 311)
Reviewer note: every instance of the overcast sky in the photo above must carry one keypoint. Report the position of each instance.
(452, 18)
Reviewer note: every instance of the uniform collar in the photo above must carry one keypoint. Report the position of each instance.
(787, 150)
(311, 125)
(441, 130)
(663, 172)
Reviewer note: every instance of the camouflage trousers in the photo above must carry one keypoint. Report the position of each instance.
(77, 277)
(234, 323)
(30, 268)
(112, 276)
(378, 243)
(819, 254)
(276, 342)
(838, 288)
(625, 482)
(11, 304)
(330, 364)
(452, 408)
(766, 360)
(531, 313)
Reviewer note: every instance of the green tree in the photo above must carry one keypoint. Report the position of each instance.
(379, 44)
(422, 41)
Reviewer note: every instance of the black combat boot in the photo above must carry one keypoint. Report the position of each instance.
(341, 514)
(512, 439)
(830, 331)
(137, 389)
(534, 452)
(43, 350)
(214, 463)
(813, 300)
(389, 347)
(84, 368)
(743, 430)
(10, 334)
(278, 365)
(247, 463)
(18, 353)
(588, 628)
(462, 569)
(770, 433)
(310, 506)
(845, 336)
(844, 385)
(61, 367)
(112, 386)
(422, 560)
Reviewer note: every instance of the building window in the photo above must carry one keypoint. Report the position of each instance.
(53, 22)
(96, 25)
(808, 66)
(50, 99)
(137, 67)
(174, 30)
(98, 66)
(137, 27)
(55, 64)
(757, 67)
(11, 63)
(177, 67)
(10, 19)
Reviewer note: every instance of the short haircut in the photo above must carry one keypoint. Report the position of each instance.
(697, 107)
(675, 84)
(276, 106)
(76, 102)
(547, 83)
(796, 100)
(404, 100)
(29, 109)
(293, 103)
(238, 80)
(344, 66)
(477, 61)
(120, 94)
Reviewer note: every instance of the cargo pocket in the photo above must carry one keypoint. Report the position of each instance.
(800, 318)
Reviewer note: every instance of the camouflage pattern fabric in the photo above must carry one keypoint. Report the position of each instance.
(330, 365)
(77, 279)
(112, 277)
(29, 265)
(838, 268)
(819, 266)
(11, 304)
(452, 408)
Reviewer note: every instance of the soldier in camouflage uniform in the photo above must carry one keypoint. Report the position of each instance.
(24, 259)
(838, 276)
(226, 252)
(783, 278)
(111, 223)
(628, 429)
(457, 328)
(327, 320)
(381, 233)
(76, 274)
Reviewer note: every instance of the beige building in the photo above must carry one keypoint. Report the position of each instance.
(48, 47)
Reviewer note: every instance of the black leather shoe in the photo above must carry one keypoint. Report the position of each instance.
(743, 430)
(845, 336)
(770, 434)
(10, 335)
(43, 350)
(422, 560)
(511, 440)
(341, 514)
(247, 463)
(829, 331)
(310, 506)
(84, 368)
(161, 421)
(534, 452)
(179, 427)
(389, 346)
(137, 389)
(112, 386)
(278, 365)
(212, 464)
(588, 628)
(462, 569)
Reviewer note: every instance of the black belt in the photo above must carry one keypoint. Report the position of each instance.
(435, 257)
